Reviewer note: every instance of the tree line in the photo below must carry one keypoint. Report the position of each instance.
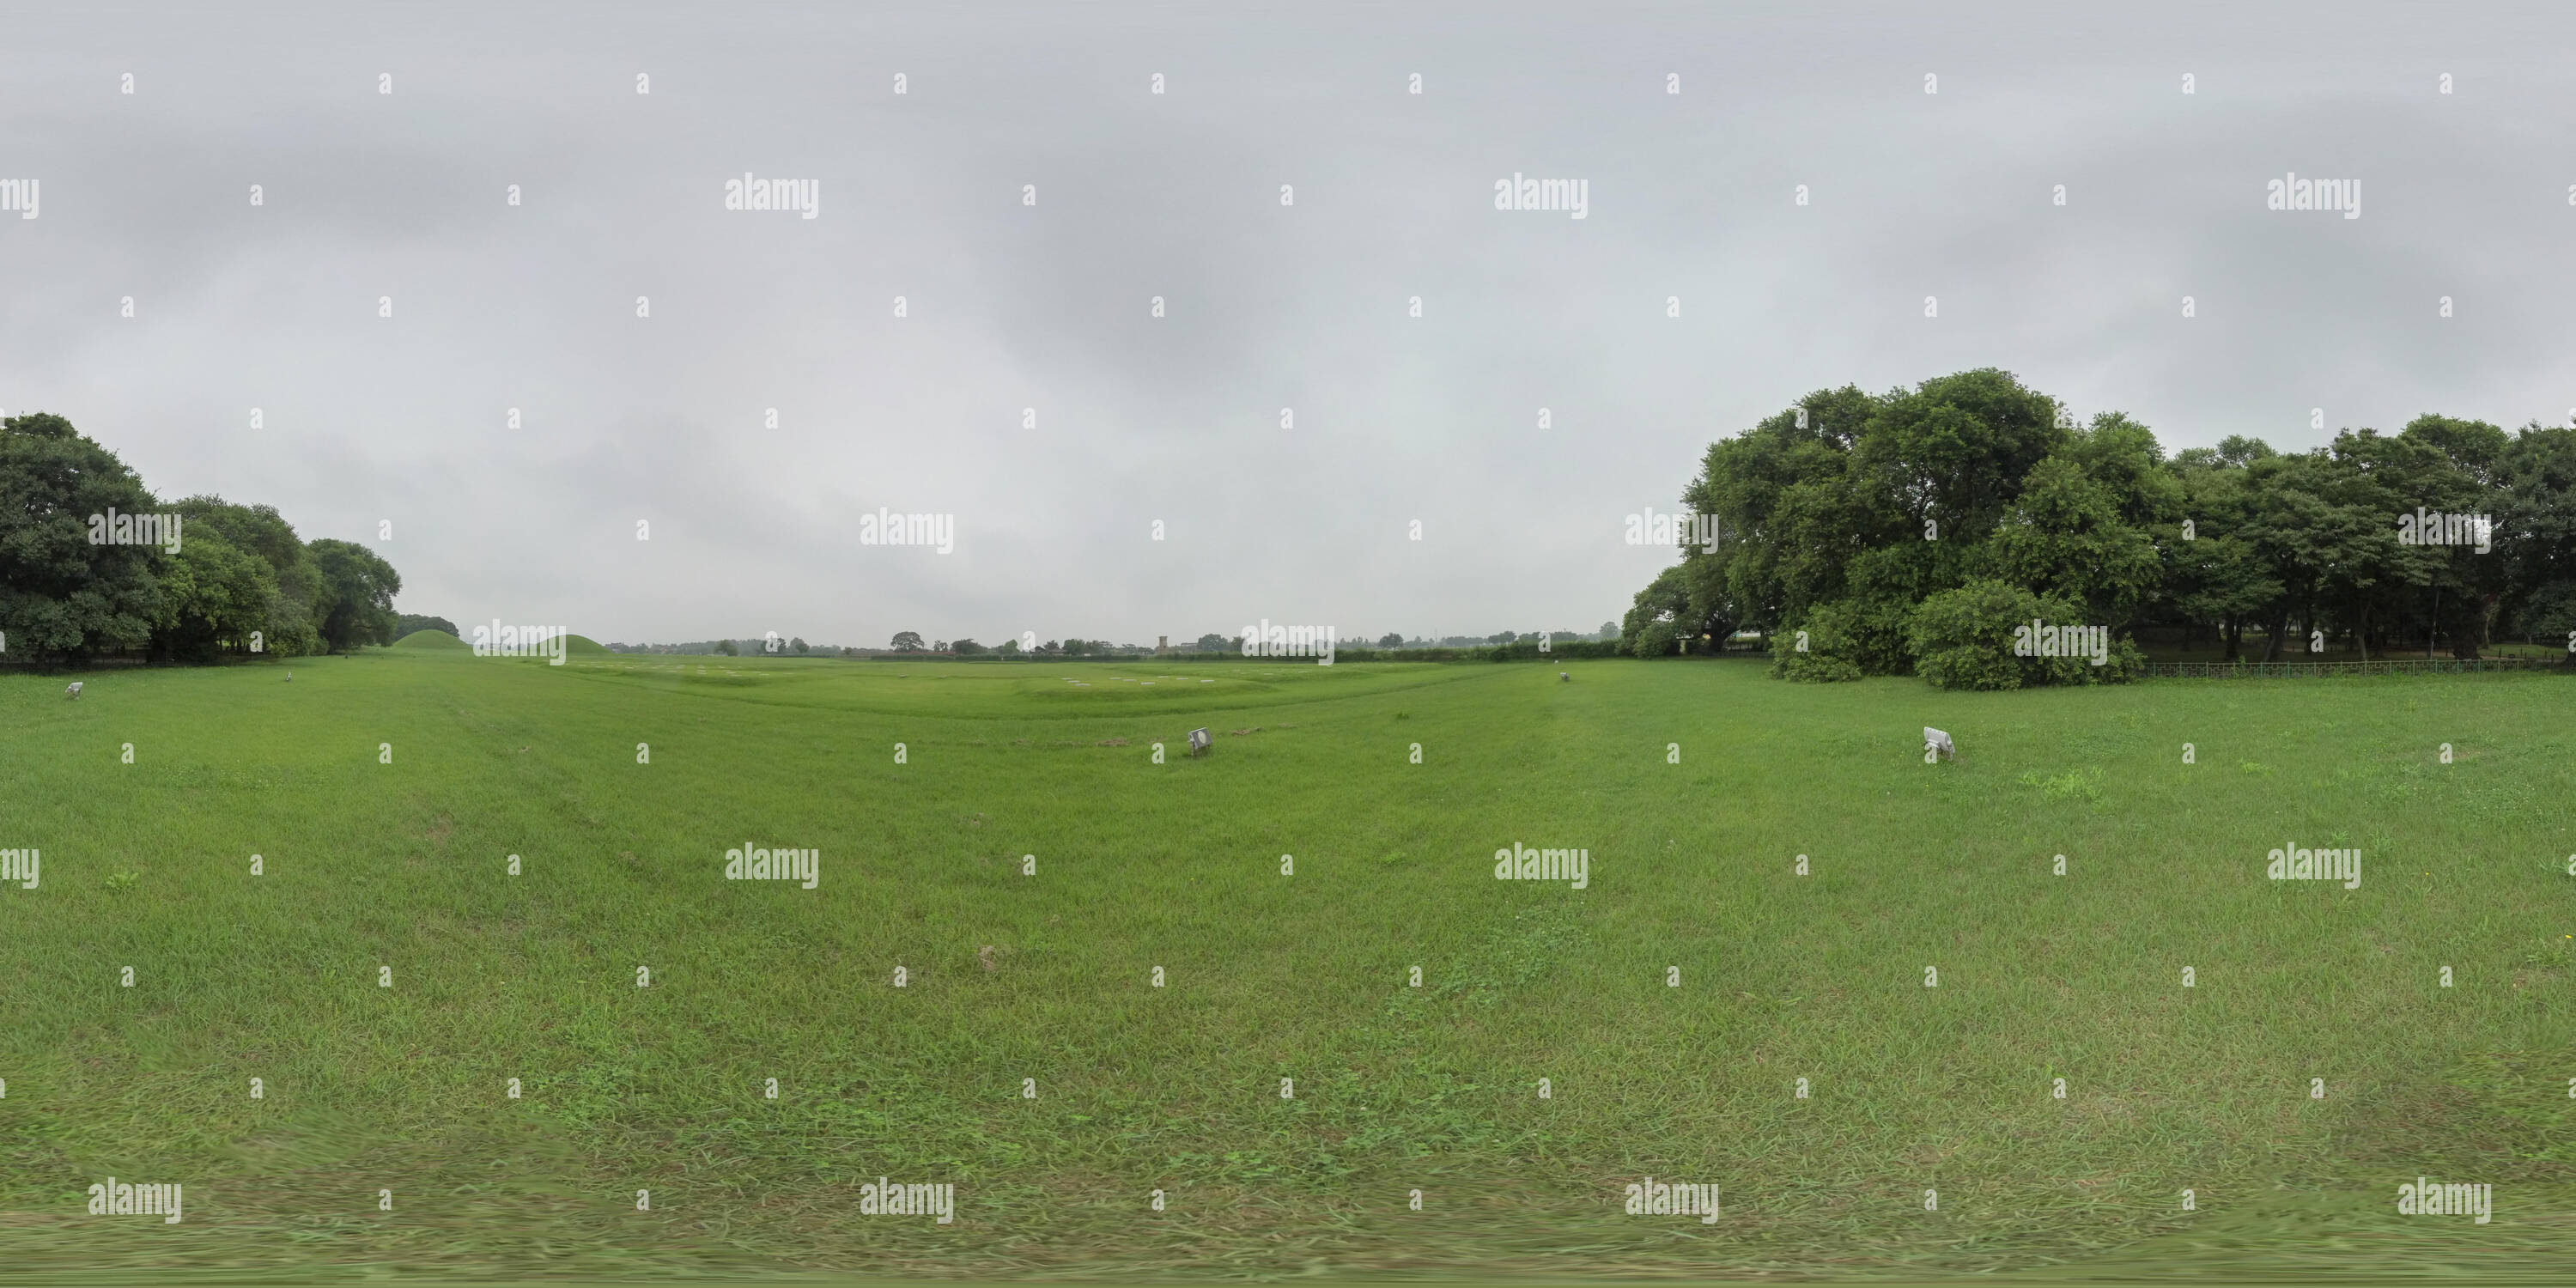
(911, 642)
(224, 578)
(1910, 532)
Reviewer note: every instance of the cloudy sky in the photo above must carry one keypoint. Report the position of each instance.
(366, 420)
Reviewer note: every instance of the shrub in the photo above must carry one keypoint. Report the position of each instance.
(1827, 634)
(2128, 662)
(1963, 639)
(1876, 627)
(1525, 649)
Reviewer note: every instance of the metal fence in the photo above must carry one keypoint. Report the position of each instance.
(2382, 666)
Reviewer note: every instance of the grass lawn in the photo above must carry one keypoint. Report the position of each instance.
(1270, 977)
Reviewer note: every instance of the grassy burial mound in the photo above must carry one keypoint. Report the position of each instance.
(431, 639)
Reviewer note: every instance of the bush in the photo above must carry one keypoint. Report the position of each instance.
(1963, 639)
(1583, 648)
(2128, 662)
(1874, 627)
(1818, 649)
(1525, 649)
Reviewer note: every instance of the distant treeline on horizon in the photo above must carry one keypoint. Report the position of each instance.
(906, 643)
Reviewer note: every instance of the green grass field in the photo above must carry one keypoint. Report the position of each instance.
(1268, 977)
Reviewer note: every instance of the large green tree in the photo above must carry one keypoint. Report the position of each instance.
(357, 594)
(62, 598)
(289, 622)
(2213, 576)
(214, 596)
(2535, 531)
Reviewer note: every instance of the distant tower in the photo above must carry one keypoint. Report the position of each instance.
(1162, 645)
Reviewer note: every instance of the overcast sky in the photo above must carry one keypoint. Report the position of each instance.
(366, 195)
